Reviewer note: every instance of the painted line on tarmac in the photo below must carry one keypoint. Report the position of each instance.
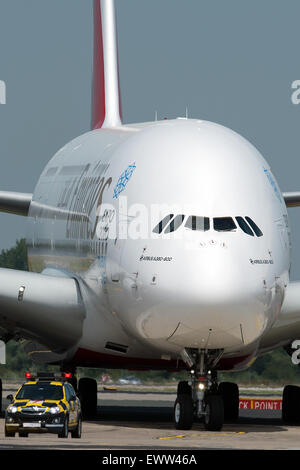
(209, 434)
(218, 434)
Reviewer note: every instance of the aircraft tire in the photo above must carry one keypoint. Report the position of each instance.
(87, 390)
(291, 404)
(184, 388)
(214, 417)
(183, 412)
(230, 394)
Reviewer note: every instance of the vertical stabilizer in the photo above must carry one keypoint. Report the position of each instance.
(106, 102)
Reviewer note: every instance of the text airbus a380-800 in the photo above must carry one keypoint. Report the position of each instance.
(129, 269)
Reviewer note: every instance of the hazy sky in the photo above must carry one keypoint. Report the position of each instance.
(229, 61)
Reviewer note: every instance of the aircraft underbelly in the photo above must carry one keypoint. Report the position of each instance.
(212, 338)
(215, 327)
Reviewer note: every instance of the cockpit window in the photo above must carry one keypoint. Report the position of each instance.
(159, 227)
(224, 224)
(170, 223)
(244, 226)
(255, 228)
(197, 223)
(175, 223)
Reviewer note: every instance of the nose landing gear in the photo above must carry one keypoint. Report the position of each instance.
(201, 398)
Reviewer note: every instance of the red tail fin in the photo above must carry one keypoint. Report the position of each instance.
(106, 103)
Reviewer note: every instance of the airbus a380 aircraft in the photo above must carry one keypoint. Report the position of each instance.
(162, 245)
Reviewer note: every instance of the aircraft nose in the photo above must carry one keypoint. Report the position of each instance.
(209, 302)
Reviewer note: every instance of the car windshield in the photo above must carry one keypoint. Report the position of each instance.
(40, 391)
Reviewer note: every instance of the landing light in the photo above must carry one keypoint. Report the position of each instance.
(21, 293)
(201, 386)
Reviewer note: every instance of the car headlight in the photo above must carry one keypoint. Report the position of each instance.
(54, 410)
(12, 409)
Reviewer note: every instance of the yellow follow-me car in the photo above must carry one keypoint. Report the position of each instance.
(44, 404)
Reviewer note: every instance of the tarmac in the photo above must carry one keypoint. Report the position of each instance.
(142, 420)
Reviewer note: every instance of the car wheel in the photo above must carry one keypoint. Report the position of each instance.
(9, 433)
(77, 432)
(65, 432)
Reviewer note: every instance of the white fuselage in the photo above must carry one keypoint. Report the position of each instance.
(94, 211)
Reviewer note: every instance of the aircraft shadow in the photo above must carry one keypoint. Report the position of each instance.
(162, 418)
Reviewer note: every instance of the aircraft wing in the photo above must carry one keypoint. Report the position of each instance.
(15, 203)
(292, 199)
(44, 308)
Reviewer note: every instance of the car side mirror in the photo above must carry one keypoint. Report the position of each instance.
(10, 398)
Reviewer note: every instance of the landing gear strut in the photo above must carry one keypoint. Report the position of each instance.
(201, 397)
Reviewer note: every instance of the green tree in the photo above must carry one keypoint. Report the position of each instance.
(15, 257)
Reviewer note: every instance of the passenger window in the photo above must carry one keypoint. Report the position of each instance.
(224, 224)
(244, 226)
(175, 223)
(159, 227)
(197, 223)
(255, 228)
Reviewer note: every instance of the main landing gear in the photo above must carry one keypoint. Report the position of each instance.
(203, 398)
(290, 405)
(87, 392)
(86, 389)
